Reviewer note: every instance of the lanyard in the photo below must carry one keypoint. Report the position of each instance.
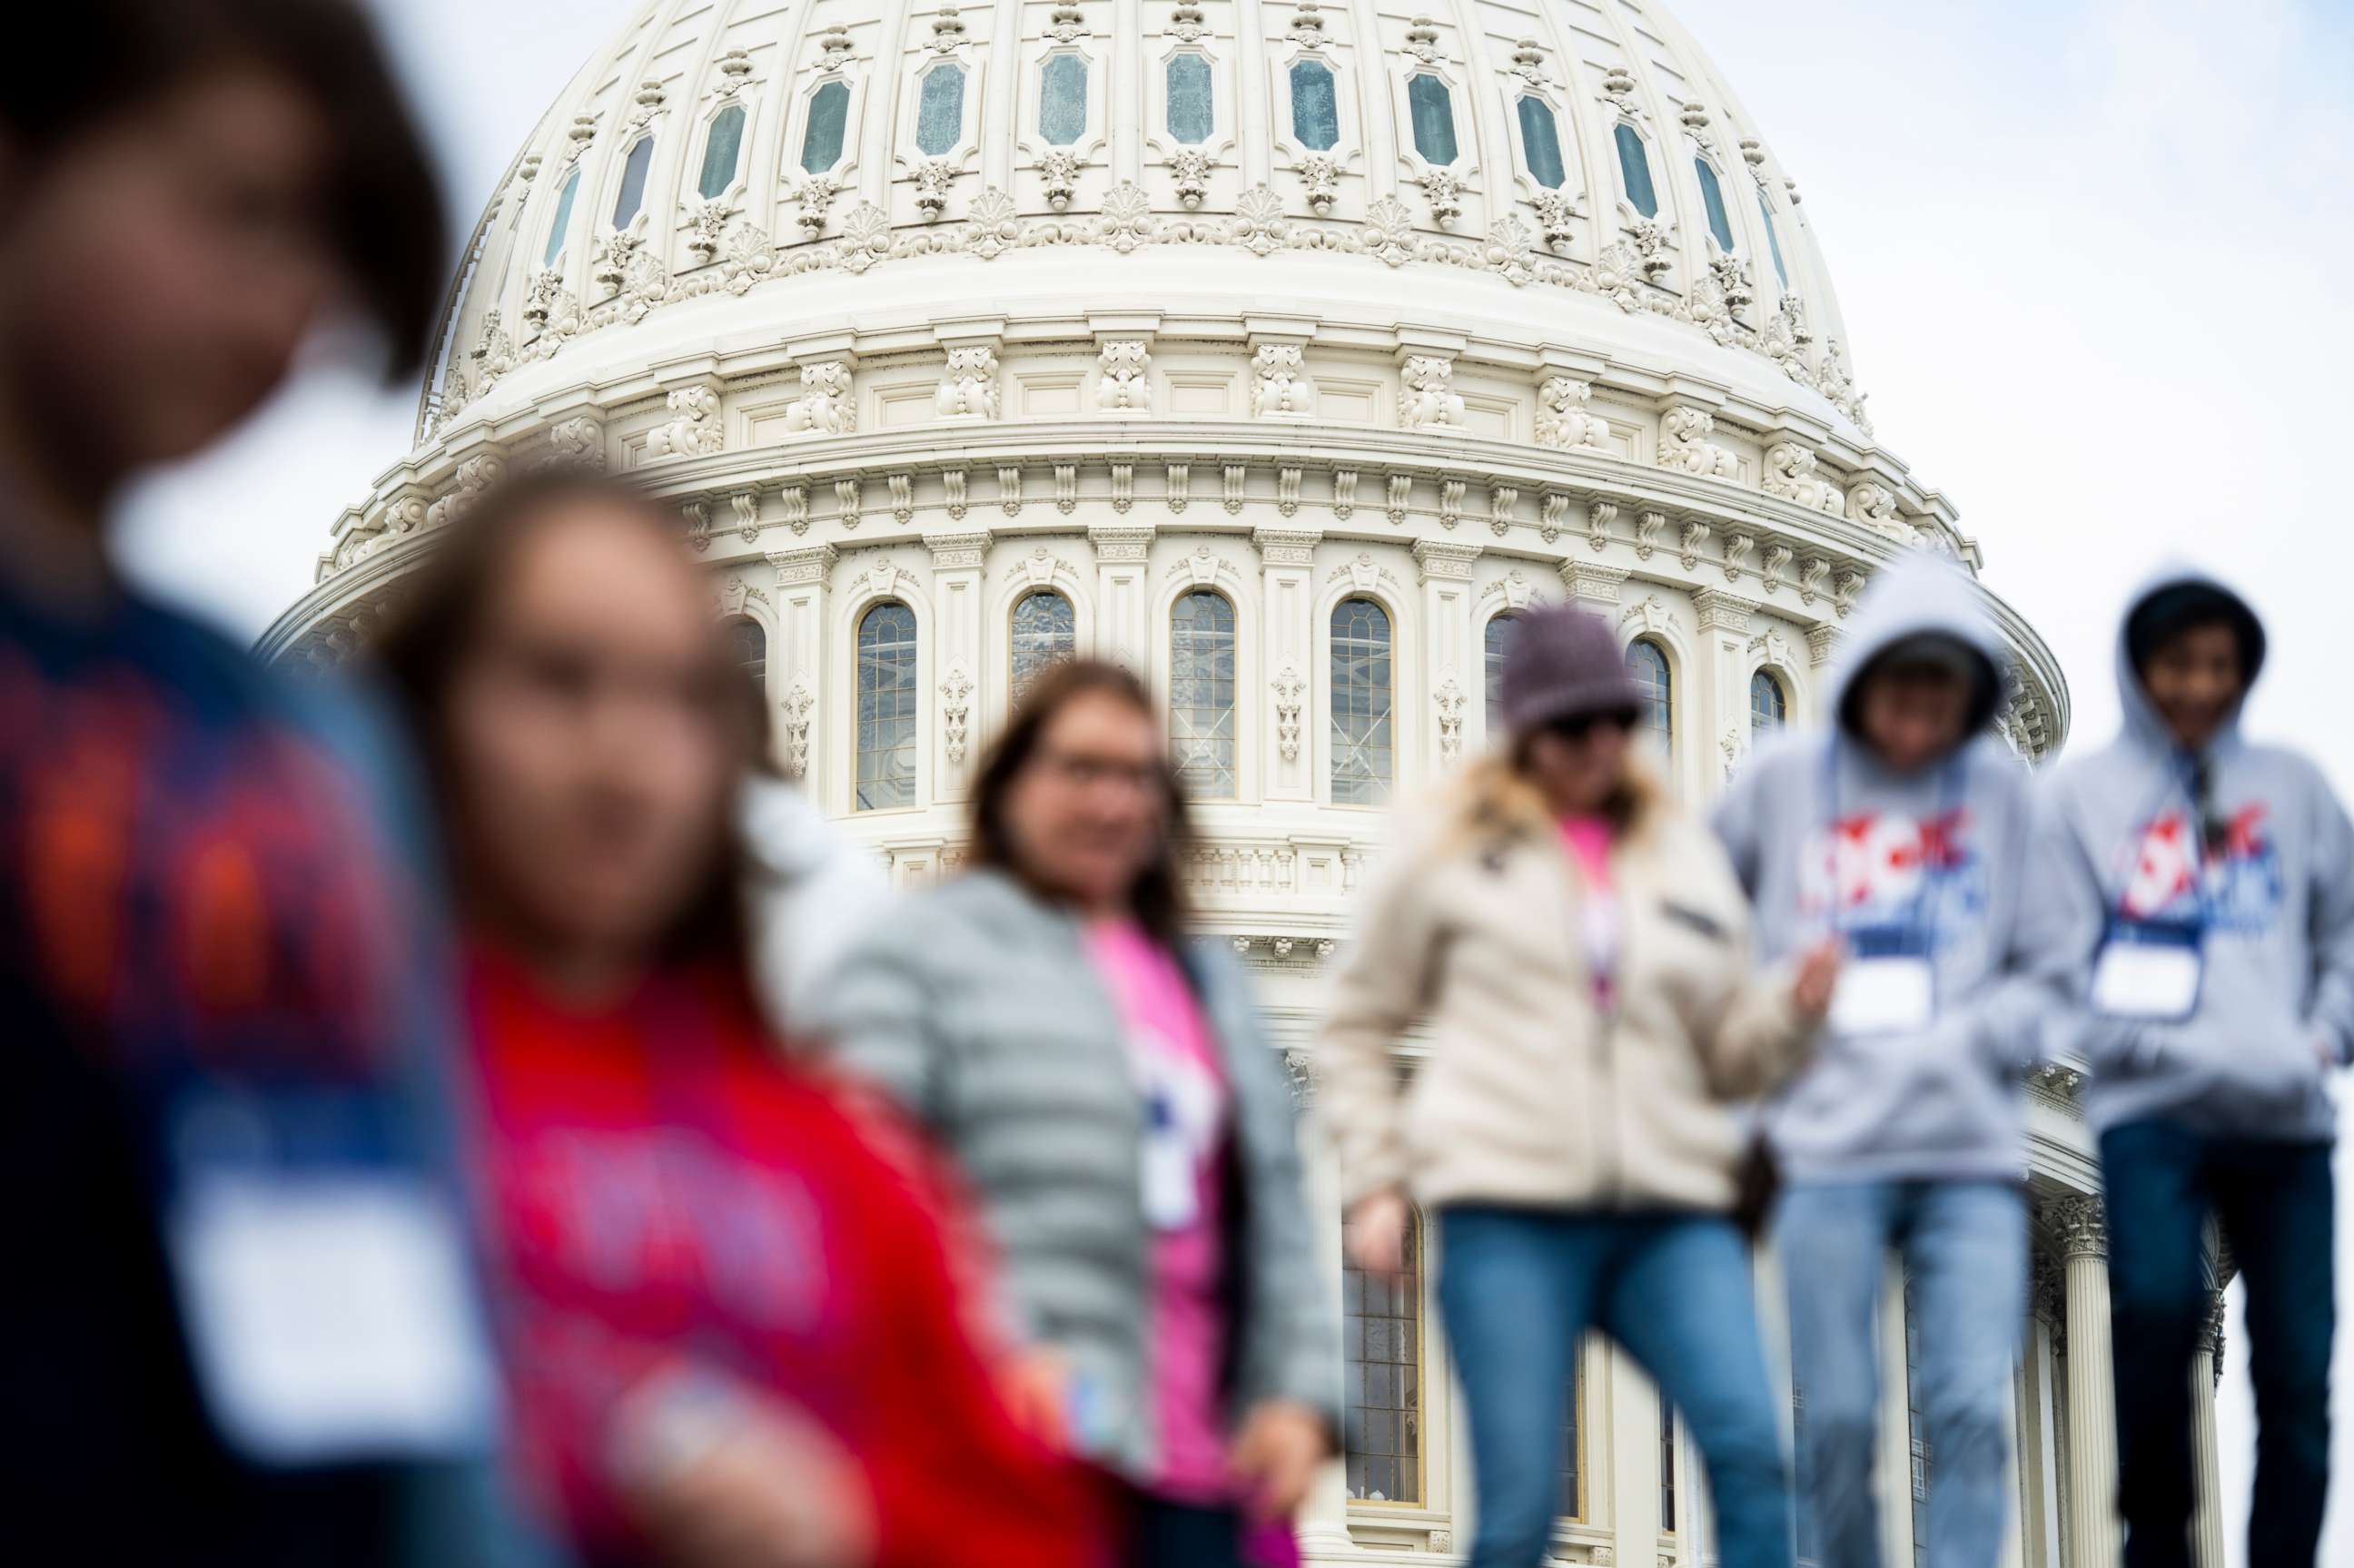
(1950, 774)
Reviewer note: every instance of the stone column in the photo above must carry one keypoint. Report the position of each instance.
(1123, 615)
(804, 607)
(1323, 1524)
(957, 621)
(2206, 1370)
(1722, 680)
(1631, 1427)
(2094, 1536)
(1453, 675)
(1286, 638)
(2039, 1456)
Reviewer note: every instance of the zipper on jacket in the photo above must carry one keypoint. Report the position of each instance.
(1607, 1176)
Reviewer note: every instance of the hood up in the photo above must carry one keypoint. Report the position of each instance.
(1923, 595)
(2142, 723)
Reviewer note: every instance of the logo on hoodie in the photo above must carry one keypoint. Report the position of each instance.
(1874, 868)
(2236, 887)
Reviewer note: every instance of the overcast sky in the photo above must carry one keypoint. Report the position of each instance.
(2093, 258)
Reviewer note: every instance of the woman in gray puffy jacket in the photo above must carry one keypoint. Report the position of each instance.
(1124, 1127)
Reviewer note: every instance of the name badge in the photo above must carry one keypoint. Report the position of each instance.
(330, 1315)
(2148, 972)
(1888, 984)
(1172, 1196)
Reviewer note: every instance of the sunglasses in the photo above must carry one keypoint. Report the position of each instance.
(1578, 727)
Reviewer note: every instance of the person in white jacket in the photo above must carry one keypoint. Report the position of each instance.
(816, 891)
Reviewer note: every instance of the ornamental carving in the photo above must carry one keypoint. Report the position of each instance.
(1787, 337)
(968, 387)
(707, 225)
(1790, 474)
(2080, 1223)
(1450, 703)
(956, 710)
(1321, 172)
(1874, 506)
(1124, 387)
(799, 703)
(1684, 445)
(1290, 692)
(577, 442)
(932, 177)
(1556, 211)
(1646, 533)
(1278, 387)
(825, 406)
(1695, 539)
(816, 193)
(1444, 189)
(1191, 167)
(1650, 615)
(1562, 418)
(1058, 169)
(1429, 401)
(1126, 220)
(694, 429)
(1259, 224)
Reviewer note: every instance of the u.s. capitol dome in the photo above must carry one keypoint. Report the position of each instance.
(1282, 350)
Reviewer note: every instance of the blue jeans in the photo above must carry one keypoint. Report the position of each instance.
(2276, 1207)
(1519, 1285)
(1964, 1245)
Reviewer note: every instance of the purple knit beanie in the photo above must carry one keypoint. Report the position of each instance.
(1563, 664)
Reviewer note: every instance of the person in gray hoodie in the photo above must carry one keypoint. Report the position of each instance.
(1904, 828)
(2208, 886)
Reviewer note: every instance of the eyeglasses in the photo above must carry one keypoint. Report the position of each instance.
(1578, 727)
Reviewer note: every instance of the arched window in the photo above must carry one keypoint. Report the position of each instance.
(555, 231)
(887, 707)
(1315, 106)
(1382, 1328)
(1044, 633)
(1191, 115)
(1498, 643)
(1062, 100)
(1571, 1504)
(1541, 142)
(829, 119)
(1774, 242)
(939, 110)
(1432, 109)
(1648, 664)
(1634, 171)
(1711, 198)
(1202, 694)
(748, 645)
(1362, 738)
(633, 194)
(722, 148)
(1769, 707)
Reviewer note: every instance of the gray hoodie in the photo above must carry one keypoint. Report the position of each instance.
(2277, 906)
(1825, 837)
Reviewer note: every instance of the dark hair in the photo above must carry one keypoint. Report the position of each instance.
(100, 59)
(2186, 606)
(1157, 899)
(437, 627)
(1928, 656)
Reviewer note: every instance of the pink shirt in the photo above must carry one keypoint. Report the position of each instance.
(1187, 1119)
(1587, 839)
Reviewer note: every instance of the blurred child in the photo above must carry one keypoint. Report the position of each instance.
(1579, 949)
(1104, 1084)
(252, 1339)
(1902, 829)
(733, 1335)
(2209, 882)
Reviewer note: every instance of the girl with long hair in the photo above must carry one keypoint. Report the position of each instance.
(1578, 949)
(1104, 1084)
(734, 1331)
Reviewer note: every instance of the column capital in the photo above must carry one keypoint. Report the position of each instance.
(1592, 585)
(1822, 642)
(2081, 1224)
(959, 550)
(811, 563)
(1287, 546)
(1717, 608)
(1442, 558)
(1126, 542)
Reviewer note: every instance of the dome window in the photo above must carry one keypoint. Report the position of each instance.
(749, 646)
(829, 117)
(1202, 694)
(1432, 109)
(1711, 198)
(1363, 741)
(1062, 100)
(563, 219)
(1769, 708)
(1541, 142)
(1315, 106)
(1774, 243)
(1497, 644)
(631, 197)
(1190, 116)
(1648, 662)
(721, 149)
(887, 707)
(939, 110)
(1044, 634)
(1634, 171)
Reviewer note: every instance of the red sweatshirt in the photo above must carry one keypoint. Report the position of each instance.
(667, 1193)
